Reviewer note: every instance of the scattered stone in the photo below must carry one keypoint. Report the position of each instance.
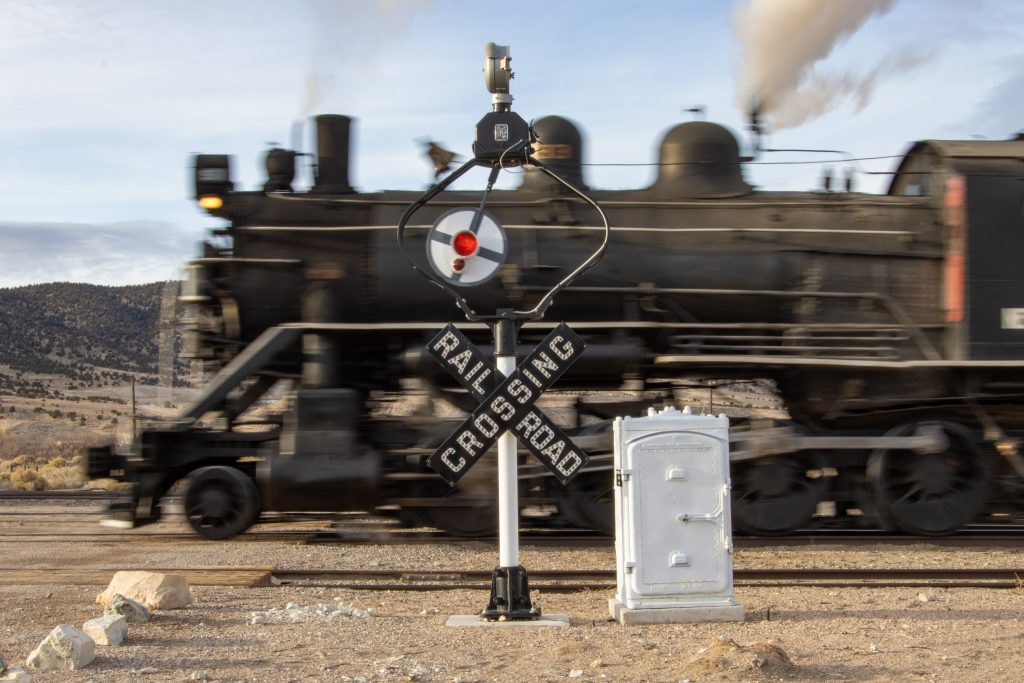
(725, 654)
(146, 670)
(133, 612)
(3, 664)
(924, 597)
(107, 630)
(15, 675)
(596, 664)
(873, 649)
(65, 648)
(152, 589)
(200, 676)
(294, 613)
(575, 673)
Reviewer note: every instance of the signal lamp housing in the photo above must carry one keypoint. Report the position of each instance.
(465, 243)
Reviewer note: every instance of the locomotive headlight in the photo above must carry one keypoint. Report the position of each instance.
(211, 202)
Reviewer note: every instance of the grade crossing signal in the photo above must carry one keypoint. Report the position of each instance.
(466, 247)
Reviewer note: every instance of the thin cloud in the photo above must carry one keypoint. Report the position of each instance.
(131, 252)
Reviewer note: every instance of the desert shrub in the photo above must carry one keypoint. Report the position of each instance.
(110, 485)
(63, 477)
(26, 480)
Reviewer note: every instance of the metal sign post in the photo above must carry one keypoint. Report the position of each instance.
(466, 247)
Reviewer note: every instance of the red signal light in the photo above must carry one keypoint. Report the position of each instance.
(458, 265)
(465, 243)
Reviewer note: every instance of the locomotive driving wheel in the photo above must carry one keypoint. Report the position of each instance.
(775, 496)
(466, 518)
(466, 510)
(930, 494)
(221, 502)
(590, 501)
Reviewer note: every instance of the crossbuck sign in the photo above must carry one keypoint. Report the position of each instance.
(507, 403)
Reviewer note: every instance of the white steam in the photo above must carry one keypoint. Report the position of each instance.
(782, 43)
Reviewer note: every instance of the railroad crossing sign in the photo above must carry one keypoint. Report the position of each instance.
(508, 404)
(466, 247)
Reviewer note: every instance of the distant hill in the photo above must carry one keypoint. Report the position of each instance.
(91, 334)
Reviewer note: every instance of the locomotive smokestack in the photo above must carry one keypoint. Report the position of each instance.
(332, 153)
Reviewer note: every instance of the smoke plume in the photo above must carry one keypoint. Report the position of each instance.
(343, 33)
(782, 43)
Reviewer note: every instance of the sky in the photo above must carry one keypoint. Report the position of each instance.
(103, 102)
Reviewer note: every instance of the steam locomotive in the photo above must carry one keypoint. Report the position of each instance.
(892, 326)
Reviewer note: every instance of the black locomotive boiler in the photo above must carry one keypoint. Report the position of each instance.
(892, 326)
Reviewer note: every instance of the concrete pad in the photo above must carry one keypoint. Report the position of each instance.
(475, 620)
(674, 615)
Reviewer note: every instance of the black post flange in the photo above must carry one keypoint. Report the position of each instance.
(510, 596)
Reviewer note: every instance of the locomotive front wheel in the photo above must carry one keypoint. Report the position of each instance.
(775, 496)
(930, 494)
(221, 502)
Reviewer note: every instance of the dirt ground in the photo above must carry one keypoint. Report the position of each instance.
(856, 634)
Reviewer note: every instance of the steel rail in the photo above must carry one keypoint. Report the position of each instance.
(552, 581)
(577, 580)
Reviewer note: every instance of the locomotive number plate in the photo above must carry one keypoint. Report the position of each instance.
(1013, 318)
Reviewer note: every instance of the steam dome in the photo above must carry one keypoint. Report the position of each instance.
(561, 150)
(700, 160)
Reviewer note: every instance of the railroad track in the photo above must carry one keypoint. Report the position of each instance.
(534, 538)
(553, 581)
(336, 528)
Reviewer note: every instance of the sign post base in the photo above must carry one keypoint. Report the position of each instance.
(510, 596)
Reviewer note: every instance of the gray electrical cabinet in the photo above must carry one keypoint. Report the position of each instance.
(673, 536)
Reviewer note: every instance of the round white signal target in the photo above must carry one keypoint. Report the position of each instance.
(466, 247)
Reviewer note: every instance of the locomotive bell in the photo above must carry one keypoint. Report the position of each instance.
(700, 160)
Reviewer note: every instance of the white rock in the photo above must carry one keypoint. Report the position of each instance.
(151, 589)
(16, 675)
(129, 609)
(65, 648)
(200, 676)
(107, 630)
(575, 673)
(145, 670)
